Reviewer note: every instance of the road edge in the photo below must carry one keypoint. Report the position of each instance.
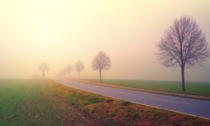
(149, 91)
(193, 115)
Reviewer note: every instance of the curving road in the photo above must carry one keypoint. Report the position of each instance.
(184, 105)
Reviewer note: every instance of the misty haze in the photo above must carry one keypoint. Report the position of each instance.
(100, 57)
(61, 33)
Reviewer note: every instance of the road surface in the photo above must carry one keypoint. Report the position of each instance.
(184, 105)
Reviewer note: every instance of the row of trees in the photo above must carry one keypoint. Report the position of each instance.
(183, 45)
(79, 66)
(100, 62)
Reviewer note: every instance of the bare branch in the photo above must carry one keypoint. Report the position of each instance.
(44, 67)
(69, 68)
(183, 44)
(79, 66)
(101, 61)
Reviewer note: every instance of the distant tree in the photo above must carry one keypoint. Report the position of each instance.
(101, 62)
(61, 73)
(68, 69)
(79, 66)
(183, 45)
(44, 67)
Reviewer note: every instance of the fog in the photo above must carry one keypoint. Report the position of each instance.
(61, 32)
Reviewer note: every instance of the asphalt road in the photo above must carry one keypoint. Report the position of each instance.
(183, 105)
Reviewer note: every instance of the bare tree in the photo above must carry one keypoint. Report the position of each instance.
(183, 45)
(44, 67)
(68, 69)
(79, 66)
(101, 62)
(61, 73)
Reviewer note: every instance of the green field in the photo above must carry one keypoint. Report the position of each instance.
(31, 103)
(47, 103)
(197, 88)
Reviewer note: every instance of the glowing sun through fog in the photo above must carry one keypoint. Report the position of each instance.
(44, 34)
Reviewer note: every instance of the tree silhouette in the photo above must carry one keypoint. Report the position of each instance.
(183, 45)
(79, 66)
(68, 69)
(61, 73)
(44, 67)
(101, 62)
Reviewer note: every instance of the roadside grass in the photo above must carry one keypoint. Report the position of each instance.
(114, 112)
(196, 88)
(47, 103)
(31, 103)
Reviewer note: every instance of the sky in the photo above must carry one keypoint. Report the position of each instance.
(61, 32)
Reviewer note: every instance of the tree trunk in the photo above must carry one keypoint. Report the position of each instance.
(69, 75)
(79, 75)
(182, 65)
(100, 74)
(183, 79)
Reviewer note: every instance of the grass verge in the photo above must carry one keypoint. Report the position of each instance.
(196, 90)
(109, 111)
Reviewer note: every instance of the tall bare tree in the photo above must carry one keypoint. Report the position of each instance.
(79, 66)
(44, 67)
(101, 62)
(68, 69)
(183, 45)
